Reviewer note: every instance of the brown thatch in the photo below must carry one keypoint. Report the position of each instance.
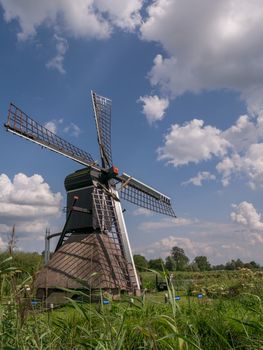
(85, 261)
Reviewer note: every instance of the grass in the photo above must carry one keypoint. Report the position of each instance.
(217, 321)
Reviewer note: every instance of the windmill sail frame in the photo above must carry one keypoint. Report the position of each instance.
(140, 194)
(21, 124)
(102, 115)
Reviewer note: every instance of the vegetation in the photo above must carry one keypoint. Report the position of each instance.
(27, 262)
(216, 310)
(178, 261)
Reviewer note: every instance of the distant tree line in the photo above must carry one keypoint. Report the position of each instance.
(178, 261)
(175, 261)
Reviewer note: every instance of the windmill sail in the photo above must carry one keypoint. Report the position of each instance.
(22, 125)
(145, 196)
(102, 114)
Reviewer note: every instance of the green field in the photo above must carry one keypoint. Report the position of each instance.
(228, 316)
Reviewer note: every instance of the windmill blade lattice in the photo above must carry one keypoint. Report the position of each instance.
(102, 114)
(104, 207)
(144, 196)
(21, 124)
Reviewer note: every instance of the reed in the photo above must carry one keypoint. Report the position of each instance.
(147, 322)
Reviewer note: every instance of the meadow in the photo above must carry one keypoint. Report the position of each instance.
(200, 310)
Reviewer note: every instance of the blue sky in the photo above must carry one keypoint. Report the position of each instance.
(186, 82)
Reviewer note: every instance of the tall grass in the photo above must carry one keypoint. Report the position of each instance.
(146, 322)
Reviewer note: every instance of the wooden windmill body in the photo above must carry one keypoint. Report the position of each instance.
(93, 249)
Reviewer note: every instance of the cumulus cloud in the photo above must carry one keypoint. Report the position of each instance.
(72, 129)
(245, 214)
(199, 178)
(142, 212)
(220, 242)
(123, 14)
(220, 49)
(27, 202)
(192, 142)
(239, 149)
(165, 223)
(244, 132)
(164, 245)
(52, 125)
(79, 18)
(154, 107)
(57, 61)
(192, 248)
(245, 158)
(250, 164)
(2, 244)
(27, 196)
(86, 19)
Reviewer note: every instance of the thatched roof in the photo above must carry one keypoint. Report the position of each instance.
(86, 261)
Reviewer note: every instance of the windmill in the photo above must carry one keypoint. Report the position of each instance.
(93, 249)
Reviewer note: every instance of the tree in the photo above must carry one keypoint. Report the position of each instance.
(140, 262)
(156, 264)
(234, 264)
(231, 265)
(202, 262)
(193, 267)
(181, 260)
(219, 267)
(239, 264)
(252, 265)
(170, 264)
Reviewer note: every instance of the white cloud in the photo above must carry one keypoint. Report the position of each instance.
(220, 50)
(253, 165)
(165, 223)
(142, 212)
(27, 202)
(165, 245)
(246, 214)
(209, 46)
(154, 107)
(250, 164)
(192, 142)
(220, 242)
(52, 125)
(79, 18)
(72, 129)
(240, 148)
(191, 247)
(199, 178)
(227, 166)
(244, 132)
(123, 14)
(27, 197)
(2, 244)
(57, 61)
